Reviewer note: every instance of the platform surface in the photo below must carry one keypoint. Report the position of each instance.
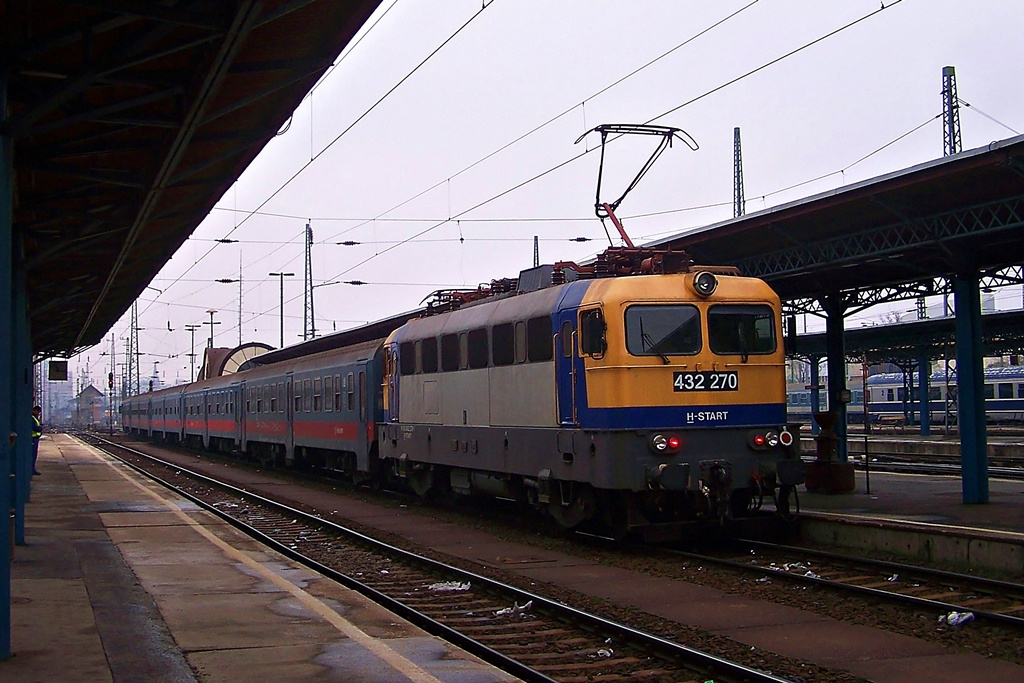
(120, 580)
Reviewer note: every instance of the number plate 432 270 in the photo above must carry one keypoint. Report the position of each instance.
(705, 381)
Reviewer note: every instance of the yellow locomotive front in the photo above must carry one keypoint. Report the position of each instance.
(681, 377)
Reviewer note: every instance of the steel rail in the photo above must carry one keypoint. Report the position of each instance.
(937, 605)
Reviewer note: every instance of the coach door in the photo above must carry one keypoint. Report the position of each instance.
(289, 427)
(238, 404)
(565, 365)
(391, 382)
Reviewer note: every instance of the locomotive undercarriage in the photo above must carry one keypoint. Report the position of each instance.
(607, 481)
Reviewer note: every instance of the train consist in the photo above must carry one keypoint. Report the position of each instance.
(636, 394)
(892, 399)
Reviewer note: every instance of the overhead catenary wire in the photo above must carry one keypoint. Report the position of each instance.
(564, 163)
(464, 218)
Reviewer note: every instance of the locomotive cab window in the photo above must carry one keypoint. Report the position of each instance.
(663, 330)
(592, 333)
(741, 330)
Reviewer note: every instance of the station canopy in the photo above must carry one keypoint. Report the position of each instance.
(129, 121)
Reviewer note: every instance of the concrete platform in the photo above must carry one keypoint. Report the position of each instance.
(922, 518)
(123, 581)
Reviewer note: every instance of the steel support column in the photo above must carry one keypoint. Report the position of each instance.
(6, 359)
(21, 410)
(835, 309)
(923, 377)
(970, 381)
(815, 393)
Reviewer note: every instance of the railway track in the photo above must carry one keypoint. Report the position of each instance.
(942, 592)
(522, 633)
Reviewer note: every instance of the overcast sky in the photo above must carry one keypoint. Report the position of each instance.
(446, 180)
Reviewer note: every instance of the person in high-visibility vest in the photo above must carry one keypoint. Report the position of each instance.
(37, 433)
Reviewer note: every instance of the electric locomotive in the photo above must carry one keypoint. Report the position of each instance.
(643, 394)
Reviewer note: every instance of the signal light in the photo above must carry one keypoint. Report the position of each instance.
(660, 443)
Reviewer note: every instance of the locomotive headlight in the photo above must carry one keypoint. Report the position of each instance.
(705, 283)
(771, 439)
(665, 443)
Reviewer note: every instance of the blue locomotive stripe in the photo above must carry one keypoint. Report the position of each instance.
(675, 417)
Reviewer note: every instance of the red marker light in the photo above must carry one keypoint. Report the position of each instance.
(759, 440)
(673, 442)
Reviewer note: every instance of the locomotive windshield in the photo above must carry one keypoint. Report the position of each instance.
(741, 330)
(663, 330)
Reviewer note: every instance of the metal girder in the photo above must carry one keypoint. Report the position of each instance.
(859, 299)
(242, 23)
(193, 16)
(897, 238)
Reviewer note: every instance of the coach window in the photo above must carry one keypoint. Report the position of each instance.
(567, 339)
(317, 395)
(297, 408)
(990, 391)
(337, 393)
(407, 358)
(273, 398)
(307, 395)
(477, 348)
(259, 399)
(521, 341)
(350, 385)
(449, 352)
(282, 397)
(741, 330)
(503, 344)
(1020, 391)
(538, 339)
(463, 351)
(428, 355)
(329, 393)
(1005, 390)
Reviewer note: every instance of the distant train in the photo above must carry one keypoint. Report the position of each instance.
(891, 399)
(633, 395)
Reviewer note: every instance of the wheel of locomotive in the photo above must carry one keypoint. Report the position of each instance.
(421, 481)
(571, 503)
(785, 507)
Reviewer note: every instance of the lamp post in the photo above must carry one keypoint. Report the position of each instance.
(282, 276)
(211, 324)
(192, 356)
